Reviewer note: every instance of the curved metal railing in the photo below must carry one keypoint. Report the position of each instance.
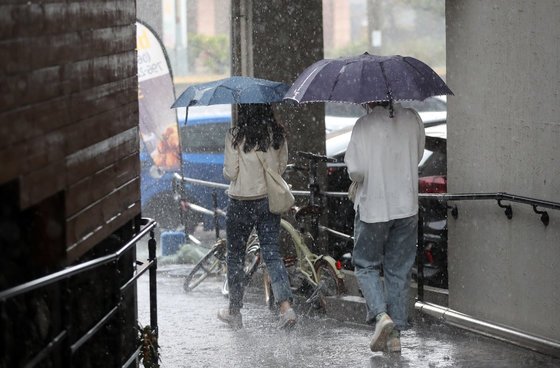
(62, 339)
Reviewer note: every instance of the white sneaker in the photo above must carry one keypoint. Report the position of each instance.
(383, 329)
(234, 320)
(287, 319)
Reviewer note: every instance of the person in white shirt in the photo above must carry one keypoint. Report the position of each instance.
(257, 130)
(382, 157)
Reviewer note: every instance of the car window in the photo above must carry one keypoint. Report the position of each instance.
(344, 109)
(434, 161)
(204, 138)
(435, 165)
(429, 104)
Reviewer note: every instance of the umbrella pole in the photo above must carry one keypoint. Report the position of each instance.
(389, 91)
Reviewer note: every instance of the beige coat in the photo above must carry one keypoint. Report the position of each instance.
(245, 171)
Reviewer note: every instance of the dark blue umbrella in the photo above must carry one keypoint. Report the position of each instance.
(232, 90)
(367, 78)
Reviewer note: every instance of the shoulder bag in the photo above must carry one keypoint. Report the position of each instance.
(280, 197)
(352, 191)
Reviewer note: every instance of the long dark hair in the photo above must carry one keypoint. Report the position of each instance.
(259, 129)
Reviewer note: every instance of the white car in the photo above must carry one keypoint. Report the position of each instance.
(432, 111)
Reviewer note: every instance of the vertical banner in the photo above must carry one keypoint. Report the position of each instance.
(156, 94)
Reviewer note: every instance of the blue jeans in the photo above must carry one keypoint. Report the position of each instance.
(242, 216)
(389, 245)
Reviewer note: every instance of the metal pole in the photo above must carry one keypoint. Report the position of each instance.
(499, 332)
(153, 284)
(66, 321)
(314, 195)
(420, 255)
(216, 220)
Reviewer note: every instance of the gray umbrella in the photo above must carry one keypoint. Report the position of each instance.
(232, 90)
(367, 78)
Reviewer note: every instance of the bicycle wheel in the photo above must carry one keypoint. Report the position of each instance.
(332, 285)
(290, 253)
(206, 266)
(252, 261)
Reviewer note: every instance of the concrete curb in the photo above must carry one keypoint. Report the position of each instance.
(351, 306)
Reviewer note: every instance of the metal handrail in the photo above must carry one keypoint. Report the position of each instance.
(74, 270)
(499, 197)
(220, 212)
(442, 196)
(69, 272)
(212, 184)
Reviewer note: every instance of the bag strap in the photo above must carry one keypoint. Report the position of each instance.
(267, 168)
(261, 159)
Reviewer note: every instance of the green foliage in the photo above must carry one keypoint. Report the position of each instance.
(212, 51)
(427, 49)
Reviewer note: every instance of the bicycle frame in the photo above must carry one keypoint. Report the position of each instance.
(307, 261)
(305, 258)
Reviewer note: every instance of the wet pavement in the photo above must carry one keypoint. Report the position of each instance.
(192, 336)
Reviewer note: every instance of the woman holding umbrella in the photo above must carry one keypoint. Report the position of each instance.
(257, 131)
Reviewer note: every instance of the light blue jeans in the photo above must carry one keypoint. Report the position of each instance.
(242, 216)
(390, 246)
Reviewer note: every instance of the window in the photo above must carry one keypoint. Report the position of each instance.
(204, 138)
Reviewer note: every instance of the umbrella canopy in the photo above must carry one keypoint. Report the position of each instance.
(232, 90)
(367, 78)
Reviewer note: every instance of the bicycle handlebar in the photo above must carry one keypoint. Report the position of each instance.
(296, 167)
(315, 157)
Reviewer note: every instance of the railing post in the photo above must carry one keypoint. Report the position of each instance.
(216, 219)
(153, 283)
(66, 321)
(4, 336)
(420, 255)
(117, 317)
(180, 191)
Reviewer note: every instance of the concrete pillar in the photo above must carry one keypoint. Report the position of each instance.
(503, 133)
(277, 40)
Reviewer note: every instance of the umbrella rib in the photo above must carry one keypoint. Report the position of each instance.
(303, 83)
(335, 83)
(412, 66)
(443, 89)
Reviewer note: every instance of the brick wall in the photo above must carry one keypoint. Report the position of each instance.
(69, 114)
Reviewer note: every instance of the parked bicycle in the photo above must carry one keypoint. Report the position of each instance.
(310, 274)
(306, 269)
(211, 264)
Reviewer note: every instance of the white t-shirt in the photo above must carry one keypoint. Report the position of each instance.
(383, 156)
